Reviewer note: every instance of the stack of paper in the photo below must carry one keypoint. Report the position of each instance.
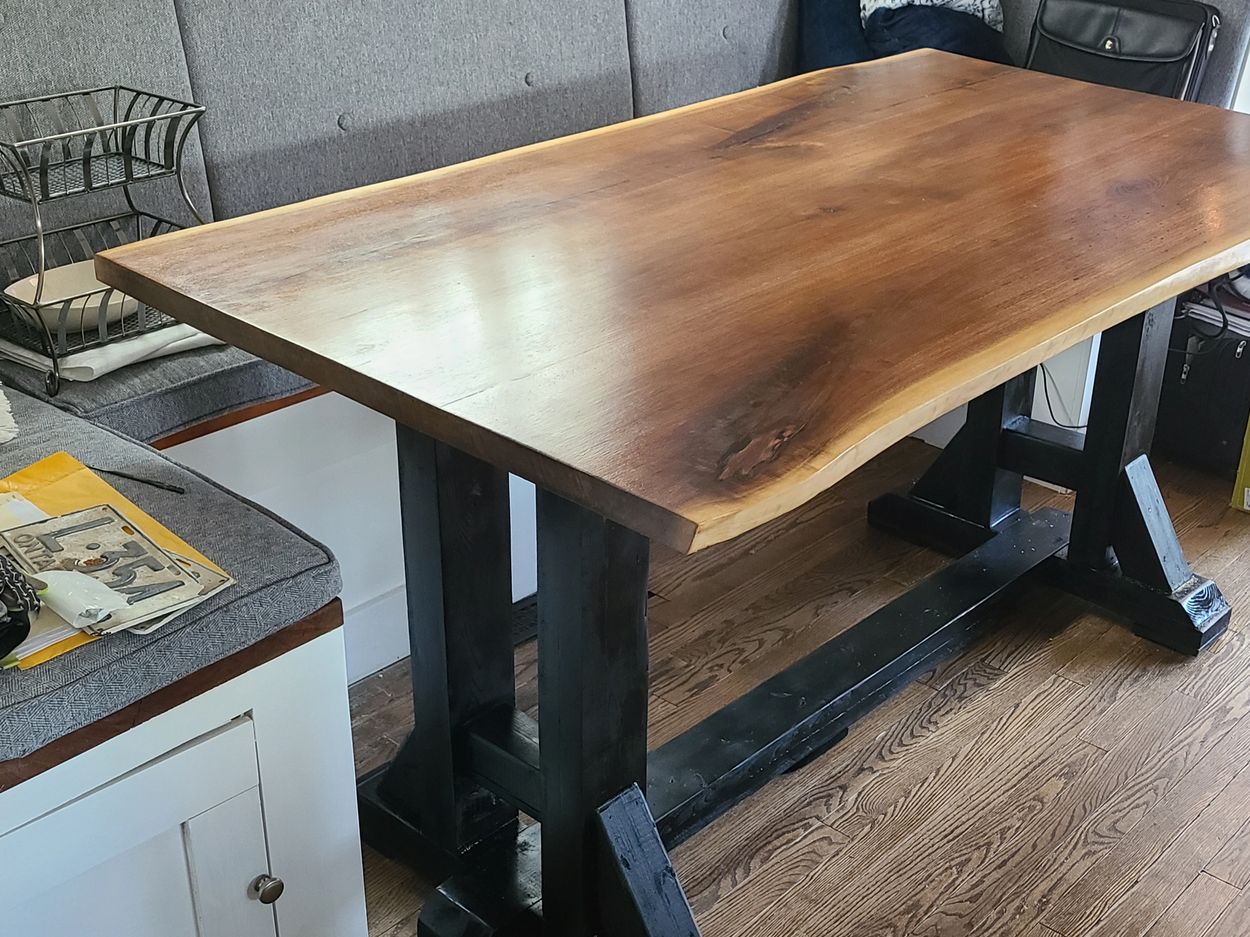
(107, 565)
(1212, 321)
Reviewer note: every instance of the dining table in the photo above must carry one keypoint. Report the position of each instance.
(683, 327)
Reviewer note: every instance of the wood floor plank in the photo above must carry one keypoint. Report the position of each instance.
(1232, 863)
(952, 910)
(1001, 753)
(790, 795)
(1086, 820)
(393, 892)
(757, 881)
(1164, 879)
(1118, 869)
(966, 850)
(1207, 677)
(705, 608)
(1016, 635)
(1235, 921)
(1139, 775)
(982, 699)
(738, 646)
(1196, 909)
(1212, 674)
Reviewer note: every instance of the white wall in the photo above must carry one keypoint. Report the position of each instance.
(328, 466)
(1071, 382)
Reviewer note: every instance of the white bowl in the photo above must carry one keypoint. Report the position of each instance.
(73, 282)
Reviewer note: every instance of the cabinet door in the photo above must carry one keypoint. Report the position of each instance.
(167, 850)
(225, 854)
(143, 892)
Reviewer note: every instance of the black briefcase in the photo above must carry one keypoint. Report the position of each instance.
(1156, 46)
(1206, 396)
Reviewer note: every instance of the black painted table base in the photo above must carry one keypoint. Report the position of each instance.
(450, 802)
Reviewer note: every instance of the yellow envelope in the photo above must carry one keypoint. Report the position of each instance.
(60, 484)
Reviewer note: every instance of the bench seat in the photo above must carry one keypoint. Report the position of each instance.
(283, 577)
(155, 399)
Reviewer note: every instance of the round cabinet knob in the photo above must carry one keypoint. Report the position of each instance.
(266, 889)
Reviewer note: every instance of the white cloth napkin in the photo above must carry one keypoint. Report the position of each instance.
(8, 425)
(97, 362)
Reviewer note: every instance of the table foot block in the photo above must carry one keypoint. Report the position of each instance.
(385, 830)
(498, 892)
(1187, 620)
(926, 525)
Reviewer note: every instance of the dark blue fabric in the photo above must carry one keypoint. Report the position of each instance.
(889, 32)
(830, 33)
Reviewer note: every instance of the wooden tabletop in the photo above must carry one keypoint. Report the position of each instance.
(696, 321)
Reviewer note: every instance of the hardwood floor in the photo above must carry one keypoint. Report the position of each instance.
(1062, 778)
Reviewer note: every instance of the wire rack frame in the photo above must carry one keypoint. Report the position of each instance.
(62, 326)
(61, 145)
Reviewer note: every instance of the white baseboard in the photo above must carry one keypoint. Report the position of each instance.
(376, 633)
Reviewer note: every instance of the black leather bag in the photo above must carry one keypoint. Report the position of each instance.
(1206, 398)
(1156, 46)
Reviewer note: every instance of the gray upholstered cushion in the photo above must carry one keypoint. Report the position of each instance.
(698, 49)
(333, 95)
(282, 576)
(67, 45)
(1223, 71)
(155, 398)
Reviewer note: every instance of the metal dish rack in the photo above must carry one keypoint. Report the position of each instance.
(66, 325)
(68, 145)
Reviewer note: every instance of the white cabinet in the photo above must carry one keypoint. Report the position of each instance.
(151, 881)
(162, 830)
(168, 849)
(225, 850)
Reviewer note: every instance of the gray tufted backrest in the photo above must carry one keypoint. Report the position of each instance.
(54, 45)
(695, 49)
(309, 98)
(305, 99)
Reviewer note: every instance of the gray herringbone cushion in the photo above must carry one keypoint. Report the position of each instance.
(282, 576)
(155, 398)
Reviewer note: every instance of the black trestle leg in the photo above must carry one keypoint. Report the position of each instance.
(966, 495)
(592, 698)
(595, 864)
(422, 807)
(1123, 553)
